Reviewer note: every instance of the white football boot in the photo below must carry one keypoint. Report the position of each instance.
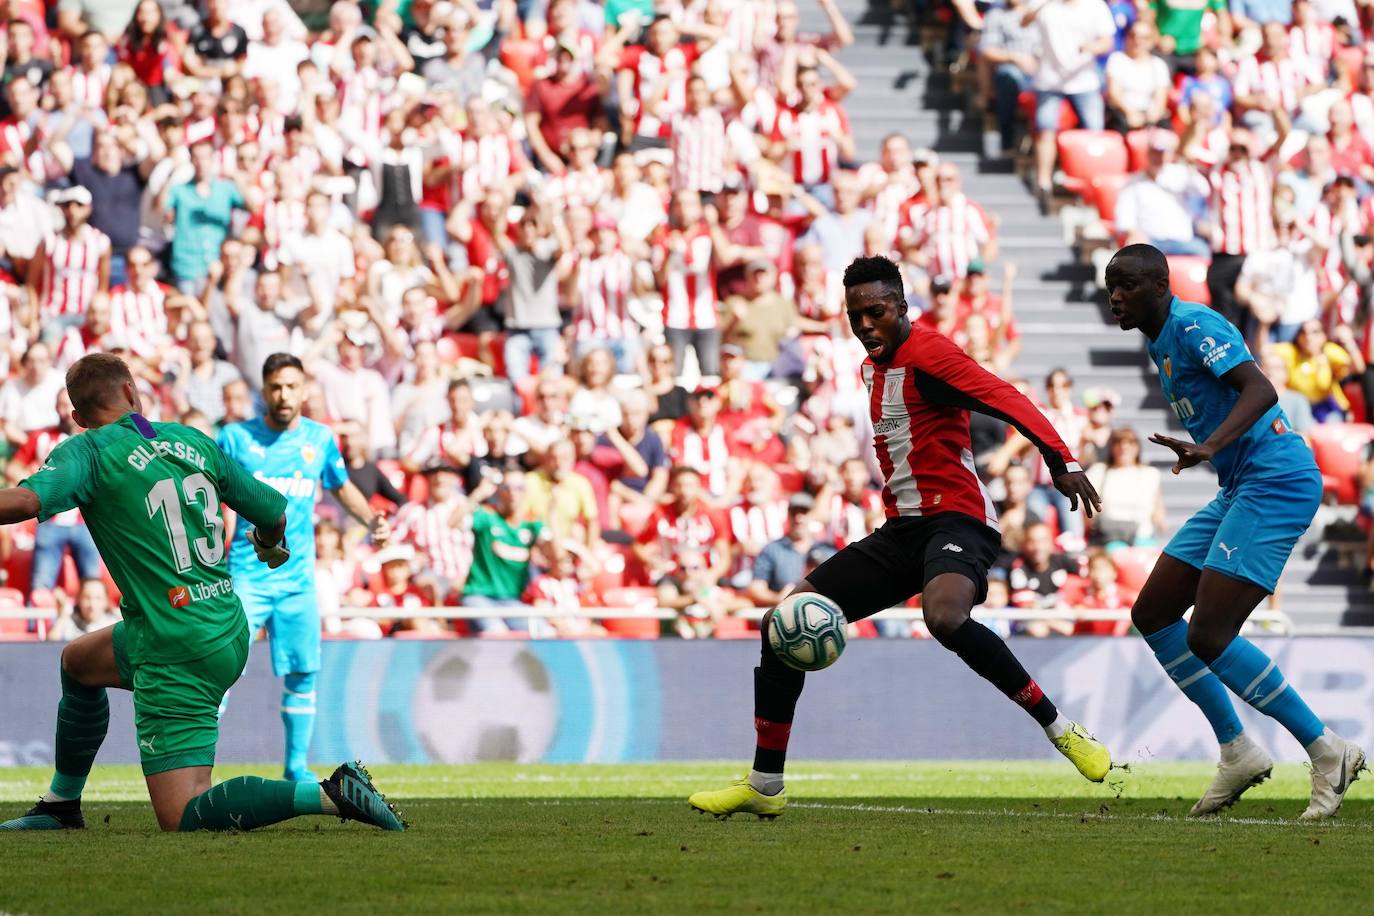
(1243, 764)
(1336, 763)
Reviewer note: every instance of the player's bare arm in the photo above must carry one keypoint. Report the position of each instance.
(18, 504)
(1257, 396)
(353, 501)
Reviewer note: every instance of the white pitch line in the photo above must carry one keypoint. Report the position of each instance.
(956, 812)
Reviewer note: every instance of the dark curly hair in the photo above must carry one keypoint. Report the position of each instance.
(876, 269)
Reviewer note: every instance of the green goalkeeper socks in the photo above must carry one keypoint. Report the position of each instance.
(246, 802)
(83, 717)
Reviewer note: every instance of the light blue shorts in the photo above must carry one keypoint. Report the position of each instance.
(293, 627)
(1248, 531)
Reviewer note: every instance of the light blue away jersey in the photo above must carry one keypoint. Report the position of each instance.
(296, 463)
(1194, 350)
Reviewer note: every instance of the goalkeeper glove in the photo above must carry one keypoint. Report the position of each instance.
(273, 556)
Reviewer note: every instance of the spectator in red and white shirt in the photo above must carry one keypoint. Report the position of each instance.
(701, 442)
(437, 529)
(454, 442)
(395, 588)
(1241, 215)
(957, 231)
(605, 282)
(684, 525)
(851, 509)
(138, 309)
(697, 139)
(811, 137)
(72, 266)
(786, 36)
(1273, 80)
(685, 258)
(656, 70)
(491, 157)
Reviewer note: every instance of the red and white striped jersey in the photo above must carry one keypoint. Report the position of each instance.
(75, 343)
(1242, 205)
(848, 521)
(1314, 44)
(448, 444)
(198, 131)
(953, 234)
(1284, 79)
(812, 139)
(360, 107)
(139, 316)
(88, 86)
(911, 218)
(708, 453)
(13, 135)
(698, 530)
(71, 271)
(269, 129)
(488, 161)
(581, 188)
(919, 404)
(604, 285)
(281, 219)
(649, 70)
(823, 299)
(699, 150)
(752, 523)
(430, 529)
(689, 289)
(551, 592)
(894, 190)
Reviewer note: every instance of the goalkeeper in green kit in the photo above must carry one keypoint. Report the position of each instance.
(150, 494)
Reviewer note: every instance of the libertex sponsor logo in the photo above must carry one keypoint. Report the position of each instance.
(182, 595)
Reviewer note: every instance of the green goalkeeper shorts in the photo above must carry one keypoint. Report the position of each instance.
(176, 706)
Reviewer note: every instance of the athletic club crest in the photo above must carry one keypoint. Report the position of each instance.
(308, 454)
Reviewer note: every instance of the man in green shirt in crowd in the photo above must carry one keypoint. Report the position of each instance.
(150, 494)
(502, 547)
(1180, 27)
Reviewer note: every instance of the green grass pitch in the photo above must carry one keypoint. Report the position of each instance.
(858, 837)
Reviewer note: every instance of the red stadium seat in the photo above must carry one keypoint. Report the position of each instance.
(13, 628)
(1068, 119)
(1084, 154)
(1133, 565)
(1137, 145)
(1188, 277)
(611, 575)
(632, 627)
(1339, 449)
(1105, 190)
(735, 628)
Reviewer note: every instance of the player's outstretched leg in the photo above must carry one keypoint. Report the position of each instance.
(83, 718)
(298, 723)
(248, 802)
(1223, 604)
(947, 602)
(776, 691)
(1158, 615)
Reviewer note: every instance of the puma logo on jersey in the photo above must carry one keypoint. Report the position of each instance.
(237, 819)
(1221, 545)
(954, 547)
(1194, 326)
(147, 743)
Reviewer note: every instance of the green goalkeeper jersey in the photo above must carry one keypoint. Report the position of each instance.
(150, 494)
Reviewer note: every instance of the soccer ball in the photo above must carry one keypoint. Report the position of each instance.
(807, 631)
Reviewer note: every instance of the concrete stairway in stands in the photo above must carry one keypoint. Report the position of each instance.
(1061, 313)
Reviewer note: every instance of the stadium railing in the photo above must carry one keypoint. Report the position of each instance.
(1271, 621)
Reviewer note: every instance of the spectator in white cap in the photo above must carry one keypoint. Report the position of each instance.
(71, 267)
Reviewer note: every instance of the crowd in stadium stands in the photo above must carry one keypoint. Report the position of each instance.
(567, 274)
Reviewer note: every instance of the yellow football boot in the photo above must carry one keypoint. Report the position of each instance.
(740, 798)
(1085, 752)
